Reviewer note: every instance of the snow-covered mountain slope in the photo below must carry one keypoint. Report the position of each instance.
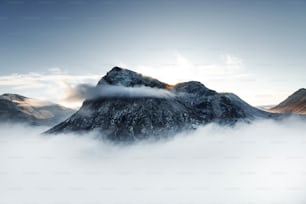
(129, 117)
(17, 108)
(295, 103)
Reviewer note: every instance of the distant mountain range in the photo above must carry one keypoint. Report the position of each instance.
(128, 106)
(16, 108)
(295, 103)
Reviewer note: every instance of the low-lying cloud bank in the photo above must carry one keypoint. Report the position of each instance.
(86, 91)
(264, 162)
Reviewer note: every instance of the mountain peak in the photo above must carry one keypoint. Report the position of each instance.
(125, 77)
(193, 87)
(133, 118)
(11, 97)
(301, 90)
(296, 103)
(21, 109)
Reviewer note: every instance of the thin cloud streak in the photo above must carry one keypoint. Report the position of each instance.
(86, 91)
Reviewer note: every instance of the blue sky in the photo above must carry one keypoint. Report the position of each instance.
(254, 49)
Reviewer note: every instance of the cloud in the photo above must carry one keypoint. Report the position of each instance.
(228, 67)
(225, 73)
(262, 162)
(50, 85)
(86, 91)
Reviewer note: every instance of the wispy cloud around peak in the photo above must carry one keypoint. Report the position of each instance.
(86, 91)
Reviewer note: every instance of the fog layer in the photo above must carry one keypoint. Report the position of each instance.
(86, 91)
(264, 162)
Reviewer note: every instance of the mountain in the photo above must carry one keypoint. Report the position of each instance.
(17, 108)
(295, 103)
(128, 117)
(143, 107)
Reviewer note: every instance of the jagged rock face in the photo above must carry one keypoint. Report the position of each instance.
(16, 108)
(128, 78)
(133, 118)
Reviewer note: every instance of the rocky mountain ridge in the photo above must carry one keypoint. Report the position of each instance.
(128, 118)
(17, 108)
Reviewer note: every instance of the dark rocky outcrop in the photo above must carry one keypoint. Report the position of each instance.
(188, 105)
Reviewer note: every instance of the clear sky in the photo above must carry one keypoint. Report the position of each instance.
(256, 49)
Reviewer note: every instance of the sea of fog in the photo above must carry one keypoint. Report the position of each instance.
(259, 163)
